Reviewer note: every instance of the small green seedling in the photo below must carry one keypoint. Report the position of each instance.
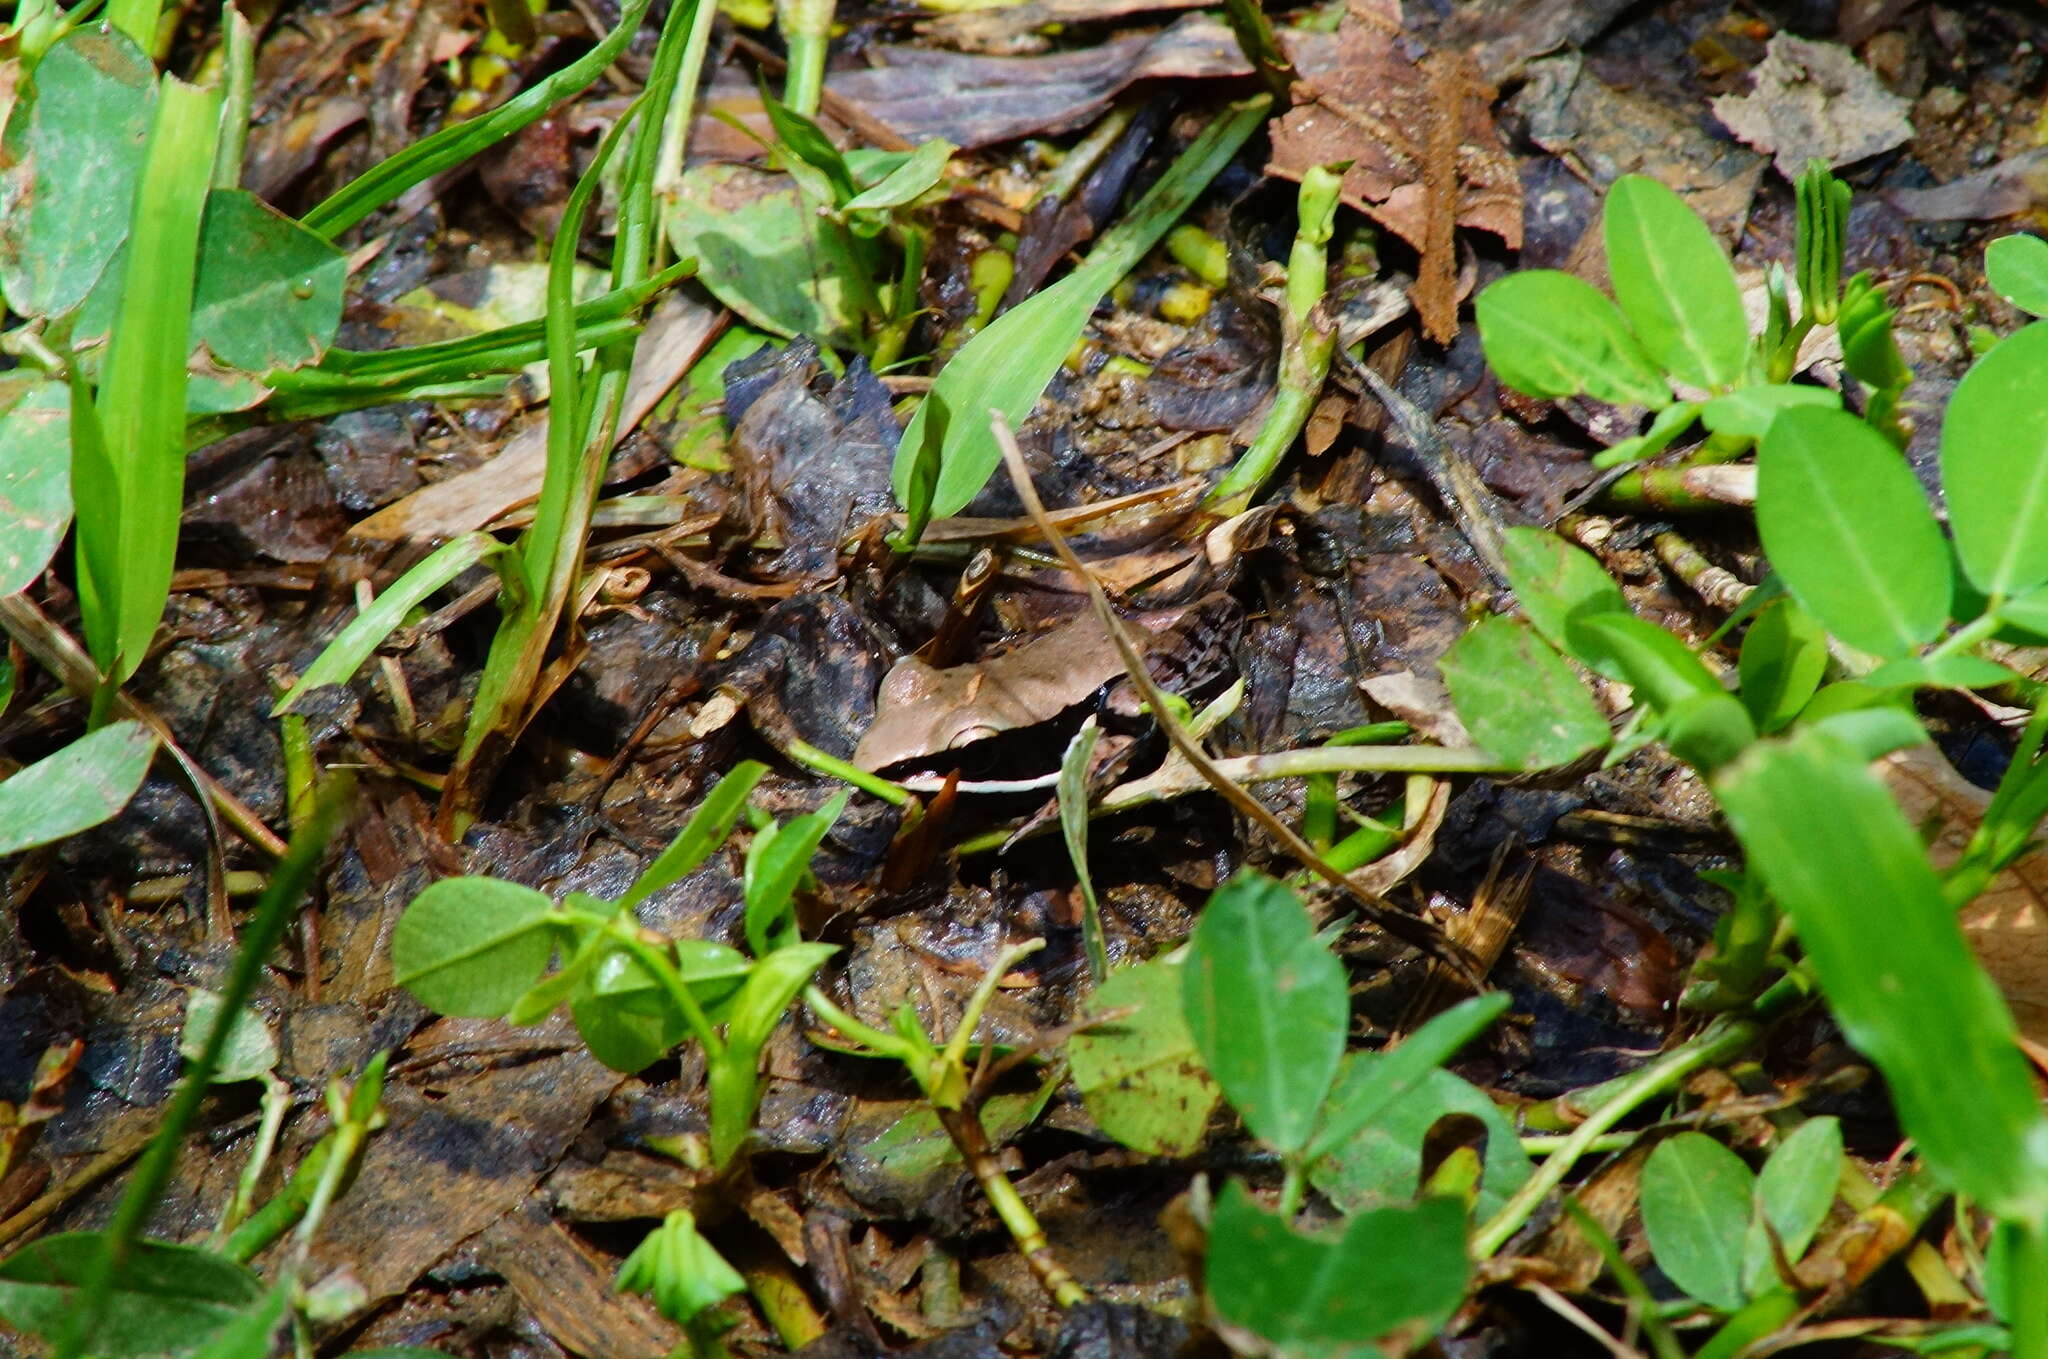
(835, 253)
(1258, 1011)
(479, 946)
(1548, 334)
(687, 1279)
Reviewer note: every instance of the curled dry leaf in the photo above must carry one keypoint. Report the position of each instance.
(2007, 924)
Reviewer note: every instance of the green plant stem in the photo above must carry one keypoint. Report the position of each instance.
(137, 19)
(1721, 1039)
(288, 884)
(283, 1208)
(1970, 634)
(277, 1102)
(237, 94)
(2029, 1268)
(682, 109)
(874, 785)
(807, 36)
(356, 1120)
(1309, 339)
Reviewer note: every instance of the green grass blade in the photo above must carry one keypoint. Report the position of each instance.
(353, 644)
(142, 397)
(1007, 366)
(1847, 867)
(452, 145)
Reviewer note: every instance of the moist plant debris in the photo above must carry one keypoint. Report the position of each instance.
(1090, 680)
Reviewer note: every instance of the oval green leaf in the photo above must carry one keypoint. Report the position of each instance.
(1548, 334)
(1393, 1269)
(166, 1299)
(472, 946)
(1139, 1075)
(73, 153)
(1381, 1163)
(1555, 582)
(1747, 412)
(626, 1018)
(2016, 267)
(35, 483)
(1994, 466)
(1268, 1007)
(1674, 283)
(85, 783)
(1696, 1198)
(1848, 528)
(1794, 1190)
(1518, 698)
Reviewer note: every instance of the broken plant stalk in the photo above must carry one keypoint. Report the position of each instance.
(1308, 337)
(943, 1077)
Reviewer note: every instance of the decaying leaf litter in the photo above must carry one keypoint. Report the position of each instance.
(743, 602)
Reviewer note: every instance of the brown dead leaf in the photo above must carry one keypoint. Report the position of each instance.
(2007, 925)
(1425, 155)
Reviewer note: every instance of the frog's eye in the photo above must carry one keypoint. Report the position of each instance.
(967, 736)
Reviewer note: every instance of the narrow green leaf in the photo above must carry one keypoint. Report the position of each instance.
(471, 946)
(358, 641)
(1994, 465)
(1006, 366)
(1268, 1007)
(35, 483)
(250, 1334)
(1696, 1197)
(1794, 1191)
(1140, 1076)
(1848, 869)
(1848, 529)
(2016, 267)
(449, 147)
(75, 789)
(774, 868)
(141, 402)
(1518, 698)
(1747, 412)
(1784, 657)
(908, 181)
(704, 832)
(1670, 423)
(1556, 582)
(1822, 208)
(73, 153)
(1392, 1270)
(1869, 349)
(1675, 285)
(167, 1299)
(1073, 801)
(1760, 1317)
(1548, 334)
